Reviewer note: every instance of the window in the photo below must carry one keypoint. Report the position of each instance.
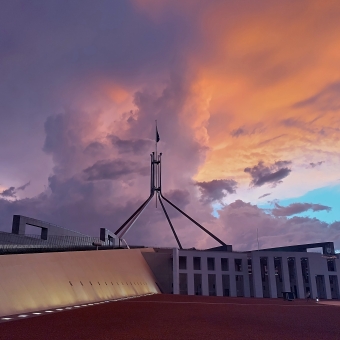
(224, 264)
(211, 263)
(197, 263)
(212, 284)
(182, 262)
(183, 283)
(198, 284)
(331, 265)
(305, 270)
(238, 265)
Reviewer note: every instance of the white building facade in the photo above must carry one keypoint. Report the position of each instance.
(267, 273)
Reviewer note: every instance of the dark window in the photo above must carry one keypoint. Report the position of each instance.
(305, 270)
(331, 265)
(198, 284)
(264, 268)
(183, 283)
(212, 284)
(182, 262)
(197, 263)
(224, 264)
(250, 267)
(238, 265)
(211, 263)
(225, 285)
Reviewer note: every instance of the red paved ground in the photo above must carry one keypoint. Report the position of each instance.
(183, 317)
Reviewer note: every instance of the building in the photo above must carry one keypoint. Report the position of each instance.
(267, 273)
(61, 268)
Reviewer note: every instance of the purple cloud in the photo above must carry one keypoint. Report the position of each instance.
(264, 195)
(313, 165)
(297, 208)
(23, 187)
(240, 222)
(238, 132)
(272, 174)
(136, 146)
(110, 170)
(216, 189)
(10, 192)
(325, 100)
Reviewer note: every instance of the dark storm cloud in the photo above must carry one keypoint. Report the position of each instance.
(313, 165)
(82, 200)
(264, 195)
(114, 169)
(272, 174)
(72, 203)
(10, 192)
(216, 189)
(94, 147)
(181, 198)
(297, 208)
(23, 187)
(60, 55)
(136, 146)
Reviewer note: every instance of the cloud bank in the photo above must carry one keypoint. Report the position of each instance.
(228, 84)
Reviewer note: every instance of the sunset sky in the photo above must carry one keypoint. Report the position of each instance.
(247, 98)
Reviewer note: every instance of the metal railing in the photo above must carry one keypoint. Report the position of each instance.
(14, 243)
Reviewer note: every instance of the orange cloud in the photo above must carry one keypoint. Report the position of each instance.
(260, 66)
(268, 70)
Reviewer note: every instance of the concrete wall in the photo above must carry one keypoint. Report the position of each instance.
(19, 227)
(30, 282)
(161, 265)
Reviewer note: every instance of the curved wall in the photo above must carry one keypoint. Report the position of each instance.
(31, 282)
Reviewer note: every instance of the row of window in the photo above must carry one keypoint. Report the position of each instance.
(122, 283)
(211, 284)
(237, 263)
(224, 263)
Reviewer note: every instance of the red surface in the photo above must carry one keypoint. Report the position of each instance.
(183, 317)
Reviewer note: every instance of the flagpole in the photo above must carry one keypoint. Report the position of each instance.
(156, 159)
(156, 138)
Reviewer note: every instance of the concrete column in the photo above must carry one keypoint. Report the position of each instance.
(18, 225)
(219, 288)
(205, 285)
(314, 290)
(175, 267)
(299, 278)
(285, 274)
(232, 277)
(257, 279)
(190, 271)
(272, 279)
(246, 279)
(218, 271)
(328, 287)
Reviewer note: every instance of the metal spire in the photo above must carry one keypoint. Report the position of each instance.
(156, 188)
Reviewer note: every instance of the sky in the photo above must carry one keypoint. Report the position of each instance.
(247, 99)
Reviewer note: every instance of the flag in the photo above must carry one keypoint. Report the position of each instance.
(157, 135)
